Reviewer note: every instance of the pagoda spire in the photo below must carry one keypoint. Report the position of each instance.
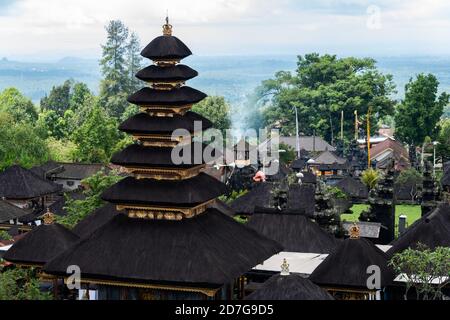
(167, 27)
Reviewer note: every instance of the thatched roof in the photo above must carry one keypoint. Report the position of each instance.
(347, 265)
(95, 220)
(41, 245)
(20, 184)
(9, 211)
(166, 47)
(189, 192)
(445, 180)
(138, 155)
(300, 198)
(432, 230)
(295, 233)
(175, 97)
(210, 249)
(353, 187)
(155, 73)
(143, 123)
(289, 287)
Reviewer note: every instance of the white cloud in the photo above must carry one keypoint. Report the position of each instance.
(75, 27)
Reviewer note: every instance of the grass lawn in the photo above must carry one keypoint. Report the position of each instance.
(412, 212)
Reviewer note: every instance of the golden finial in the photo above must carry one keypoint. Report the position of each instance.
(354, 231)
(284, 268)
(48, 217)
(167, 27)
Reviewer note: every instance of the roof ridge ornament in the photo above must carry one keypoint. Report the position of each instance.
(48, 217)
(354, 231)
(167, 27)
(285, 268)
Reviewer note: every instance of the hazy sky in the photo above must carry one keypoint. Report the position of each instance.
(49, 29)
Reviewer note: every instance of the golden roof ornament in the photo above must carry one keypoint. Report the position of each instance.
(354, 231)
(285, 268)
(48, 217)
(167, 27)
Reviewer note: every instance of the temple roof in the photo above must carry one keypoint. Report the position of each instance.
(300, 198)
(41, 244)
(19, 183)
(9, 211)
(347, 265)
(445, 180)
(179, 72)
(176, 97)
(295, 233)
(208, 249)
(143, 123)
(353, 187)
(166, 47)
(289, 287)
(145, 156)
(188, 192)
(432, 230)
(95, 220)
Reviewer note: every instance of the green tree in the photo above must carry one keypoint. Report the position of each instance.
(416, 117)
(114, 86)
(17, 105)
(53, 124)
(20, 143)
(80, 94)
(425, 270)
(443, 148)
(21, 284)
(411, 178)
(77, 210)
(215, 109)
(288, 155)
(133, 63)
(370, 177)
(58, 99)
(96, 138)
(321, 88)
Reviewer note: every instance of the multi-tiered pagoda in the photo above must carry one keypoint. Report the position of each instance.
(169, 243)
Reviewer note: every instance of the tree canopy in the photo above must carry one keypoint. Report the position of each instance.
(416, 117)
(215, 109)
(18, 106)
(320, 89)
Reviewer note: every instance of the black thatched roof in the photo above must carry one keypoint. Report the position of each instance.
(258, 196)
(432, 230)
(300, 198)
(347, 265)
(193, 191)
(353, 187)
(289, 287)
(19, 183)
(143, 123)
(9, 211)
(445, 180)
(298, 164)
(178, 72)
(95, 220)
(295, 233)
(166, 47)
(208, 249)
(175, 97)
(59, 206)
(144, 156)
(41, 244)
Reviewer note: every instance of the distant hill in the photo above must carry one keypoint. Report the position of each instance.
(231, 76)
